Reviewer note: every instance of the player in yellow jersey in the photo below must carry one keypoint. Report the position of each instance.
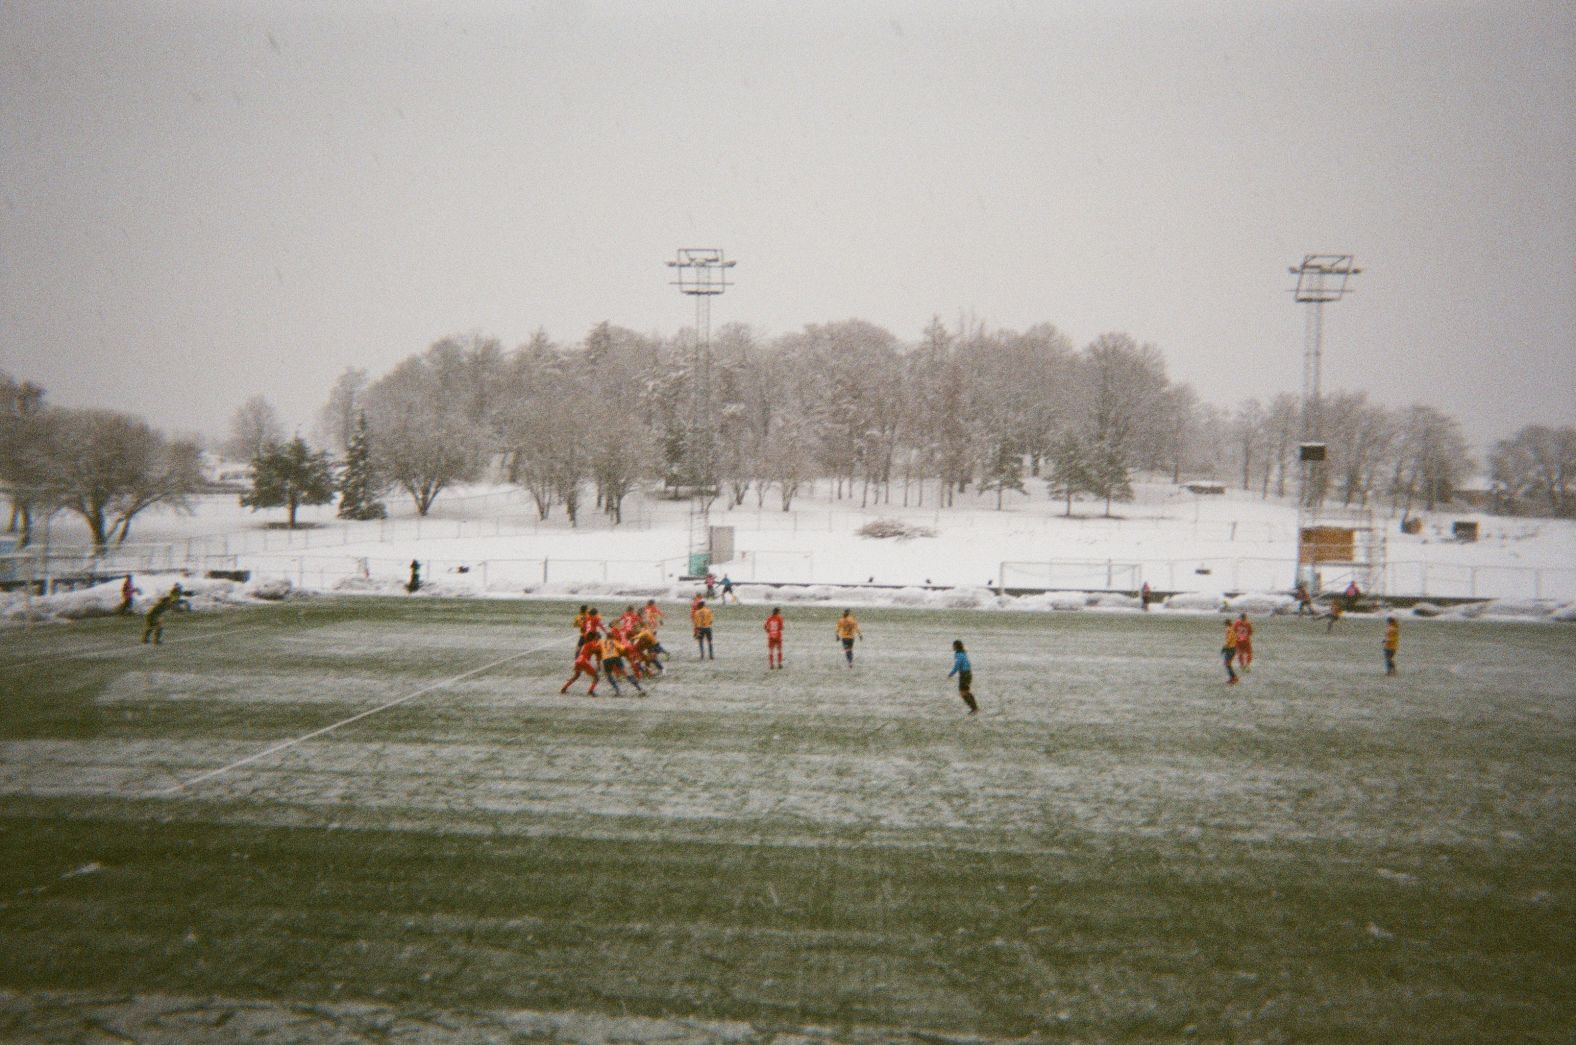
(1392, 643)
(613, 665)
(1228, 652)
(702, 617)
(847, 632)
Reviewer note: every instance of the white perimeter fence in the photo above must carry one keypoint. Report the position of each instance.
(321, 568)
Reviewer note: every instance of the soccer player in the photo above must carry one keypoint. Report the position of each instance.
(1244, 629)
(727, 588)
(154, 627)
(1392, 643)
(592, 625)
(1304, 600)
(629, 620)
(128, 595)
(1334, 615)
(702, 617)
(581, 618)
(965, 673)
(648, 649)
(1228, 652)
(587, 660)
(774, 639)
(652, 615)
(613, 666)
(847, 632)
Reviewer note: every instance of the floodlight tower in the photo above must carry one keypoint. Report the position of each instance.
(702, 273)
(1321, 279)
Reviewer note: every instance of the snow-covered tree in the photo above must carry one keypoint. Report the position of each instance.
(1003, 472)
(338, 418)
(254, 427)
(1533, 470)
(359, 486)
(109, 467)
(26, 471)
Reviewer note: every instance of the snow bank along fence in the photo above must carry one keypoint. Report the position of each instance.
(317, 566)
(1401, 579)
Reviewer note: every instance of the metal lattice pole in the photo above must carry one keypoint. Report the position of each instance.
(703, 273)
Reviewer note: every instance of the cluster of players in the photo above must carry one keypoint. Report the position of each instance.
(628, 648)
(1237, 651)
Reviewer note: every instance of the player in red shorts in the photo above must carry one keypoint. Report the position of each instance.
(587, 662)
(1244, 629)
(774, 639)
(651, 615)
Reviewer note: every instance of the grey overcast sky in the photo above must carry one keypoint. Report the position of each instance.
(202, 201)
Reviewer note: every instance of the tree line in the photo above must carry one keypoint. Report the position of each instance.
(579, 425)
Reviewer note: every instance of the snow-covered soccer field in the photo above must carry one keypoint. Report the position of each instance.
(1119, 847)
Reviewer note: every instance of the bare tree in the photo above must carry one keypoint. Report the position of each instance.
(26, 473)
(1432, 461)
(254, 427)
(420, 442)
(1533, 470)
(112, 466)
(337, 420)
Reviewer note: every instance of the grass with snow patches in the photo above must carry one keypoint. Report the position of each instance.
(1118, 848)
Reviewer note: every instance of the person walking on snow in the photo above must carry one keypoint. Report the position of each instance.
(965, 673)
(847, 632)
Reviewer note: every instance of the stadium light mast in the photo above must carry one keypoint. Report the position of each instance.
(1321, 279)
(702, 273)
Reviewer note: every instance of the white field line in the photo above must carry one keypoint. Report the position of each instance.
(286, 744)
(128, 650)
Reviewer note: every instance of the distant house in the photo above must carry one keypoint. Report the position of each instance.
(1206, 488)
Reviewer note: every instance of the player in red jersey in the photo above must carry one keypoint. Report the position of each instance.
(651, 615)
(587, 662)
(774, 639)
(1244, 629)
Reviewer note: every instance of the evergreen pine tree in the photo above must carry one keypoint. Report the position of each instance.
(358, 487)
(289, 475)
(1003, 472)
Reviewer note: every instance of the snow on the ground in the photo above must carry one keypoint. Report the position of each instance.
(489, 541)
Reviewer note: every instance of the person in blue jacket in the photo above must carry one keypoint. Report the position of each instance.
(965, 673)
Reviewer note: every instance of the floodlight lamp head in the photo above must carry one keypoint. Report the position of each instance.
(1323, 277)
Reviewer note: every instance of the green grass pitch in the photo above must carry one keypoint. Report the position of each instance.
(1119, 847)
